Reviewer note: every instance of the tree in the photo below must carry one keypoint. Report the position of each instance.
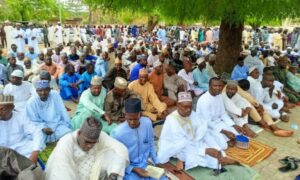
(232, 16)
(25, 10)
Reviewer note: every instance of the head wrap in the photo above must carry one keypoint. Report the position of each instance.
(96, 81)
(6, 99)
(133, 105)
(252, 69)
(120, 83)
(200, 60)
(17, 73)
(91, 128)
(184, 97)
(42, 84)
(118, 61)
(156, 63)
(143, 71)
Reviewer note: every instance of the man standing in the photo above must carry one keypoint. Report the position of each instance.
(18, 35)
(8, 32)
(32, 34)
(21, 90)
(58, 34)
(17, 132)
(211, 107)
(153, 107)
(91, 105)
(196, 144)
(47, 112)
(87, 153)
(138, 136)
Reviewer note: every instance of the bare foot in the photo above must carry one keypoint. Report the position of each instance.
(179, 165)
(281, 132)
(264, 125)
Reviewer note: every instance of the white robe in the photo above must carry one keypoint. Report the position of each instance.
(69, 162)
(21, 135)
(234, 106)
(212, 108)
(8, 31)
(21, 93)
(187, 139)
(189, 79)
(58, 33)
(30, 33)
(20, 41)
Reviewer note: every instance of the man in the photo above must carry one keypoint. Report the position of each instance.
(172, 82)
(237, 107)
(17, 132)
(293, 80)
(58, 33)
(47, 112)
(12, 66)
(187, 75)
(200, 75)
(115, 98)
(20, 59)
(13, 50)
(156, 78)
(153, 107)
(117, 71)
(87, 76)
(44, 75)
(18, 35)
(196, 144)
(91, 105)
(3, 75)
(38, 62)
(8, 28)
(87, 153)
(210, 65)
(3, 59)
(240, 71)
(51, 67)
(21, 90)
(142, 63)
(252, 60)
(31, 54)
(210, 106)
(32, 34)
(280, 74)
(138, 136)
(101, 66)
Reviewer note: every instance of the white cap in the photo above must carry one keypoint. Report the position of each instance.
(252, 69)
(17, 73)
(156, 63)
(184, 97)
(200, 60)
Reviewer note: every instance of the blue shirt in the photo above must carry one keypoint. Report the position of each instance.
(134, 74)
(86, 77)
(101, 67)
(202, 78)
(31, 56)
(239, 72)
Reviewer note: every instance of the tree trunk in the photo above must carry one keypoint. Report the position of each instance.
(229, 46)
(152, 22)
(90, 15)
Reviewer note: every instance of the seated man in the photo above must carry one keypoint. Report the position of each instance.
(117, 71)
(31, 55)
(51, 67)
(91, 105)
(196, 144)
(115, 98)
(210, 106)
(69, 84)
(240, 71)
(17, 132)
(172, 82)
(156, 78)
(12, 66)
(28, 70)
(87, 153)
(237, 107)
(200, 75)
(142, 63)
(21, 90)
(87, 76)
(187, 75)
(138, 136)
(47, 111)
(154, 108)
(258, 114)
(293, 80)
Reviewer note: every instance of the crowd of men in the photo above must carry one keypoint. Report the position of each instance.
(125, 82)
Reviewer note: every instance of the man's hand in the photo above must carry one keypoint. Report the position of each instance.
(34, 156)
(274, 106)
(278, 94)
(229, 134)
(213, 153)
(47, 131)
(239, 129)
(246, 111)
(141, 172)
(107, 118)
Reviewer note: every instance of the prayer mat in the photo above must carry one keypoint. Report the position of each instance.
(44, 155)
(172, 174)
(256, 153)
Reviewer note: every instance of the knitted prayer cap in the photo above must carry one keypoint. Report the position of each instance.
(232, 82)
(120, 83)
(91, 128)
(6, 99)
(42, 84)
(133, 105)
(200, 60)
(252, 69)
(96, 81)
(143, 71)
(157, 63)
(17, 73)
(184, 97)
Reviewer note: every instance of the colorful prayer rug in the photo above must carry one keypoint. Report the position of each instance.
(44, 155)
(256, 153)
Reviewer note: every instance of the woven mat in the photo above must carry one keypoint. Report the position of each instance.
(256, 153)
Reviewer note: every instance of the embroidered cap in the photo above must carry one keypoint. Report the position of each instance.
(6, 99)
(184, 97)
